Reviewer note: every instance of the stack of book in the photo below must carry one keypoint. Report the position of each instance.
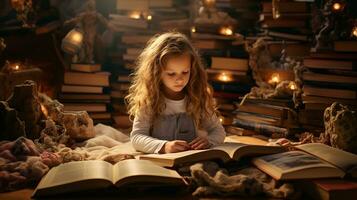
(331, 77)
(86, 88)
(229, 80)
(119, 89)
(274, 118)
(291, 24)
(246, 12)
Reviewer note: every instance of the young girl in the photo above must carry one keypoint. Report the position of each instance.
(170, 101)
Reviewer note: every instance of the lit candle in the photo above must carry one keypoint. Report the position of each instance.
(224, 77)
(275, 78)
(193, 30)
(336, 6)
(135, 14)
(16, 67)
(149, 17)
(221, 119)
(292, 85)
(226, 30)
(354, 31)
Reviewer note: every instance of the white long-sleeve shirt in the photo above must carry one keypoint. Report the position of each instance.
(173, 124)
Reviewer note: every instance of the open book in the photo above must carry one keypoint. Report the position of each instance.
(95, 174)
(313, 160)
(225, 152)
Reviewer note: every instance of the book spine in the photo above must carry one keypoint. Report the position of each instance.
(261, 128)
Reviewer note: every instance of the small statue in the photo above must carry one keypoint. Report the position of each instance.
(87, 21)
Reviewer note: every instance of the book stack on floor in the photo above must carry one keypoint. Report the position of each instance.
(229, 80)
(274, 118)
(331, 77)
(119, 89)
(86, 88)
(289, 29)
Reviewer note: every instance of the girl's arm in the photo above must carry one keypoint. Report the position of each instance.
(140, 138)
(215, 130)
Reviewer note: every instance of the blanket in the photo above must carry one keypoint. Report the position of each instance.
(24, 162)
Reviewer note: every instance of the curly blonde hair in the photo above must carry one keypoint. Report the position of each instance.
(145, 91)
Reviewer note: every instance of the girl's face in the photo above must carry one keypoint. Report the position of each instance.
(176, 75)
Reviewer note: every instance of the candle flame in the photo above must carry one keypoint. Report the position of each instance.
(224, 77)
(17, 67)
(44, 110)
(135, 14)
(193, 29)
(292, 85)
(354, 31)
(221, 118)
(226, 31)
(336, 6)
(275, 78)
(149, 17)
(77, 37)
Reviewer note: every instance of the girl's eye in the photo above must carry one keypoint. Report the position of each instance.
(186, 72)
(171, 74)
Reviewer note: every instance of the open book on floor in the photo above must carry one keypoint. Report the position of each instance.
(309, 161)
(225, 152)
(95, 174)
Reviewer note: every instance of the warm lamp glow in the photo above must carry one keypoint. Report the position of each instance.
(275, 78)
(224, 77)
(209, 3)
(354, 31)
(193, 30)
(336, 6)
(135, 14)
(149, 17)
(226, 30)
(76, 37)
(44, 110)
(292, 85)
(16, 67)
(221, 119)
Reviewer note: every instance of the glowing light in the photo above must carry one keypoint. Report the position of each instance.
(292, 85)
(149, 17)
(354, 31)
(224, 77)
(135, 14)
(44, 110)
(16, 67)
(209, 3)
(226, 30)
(77, 37)
(336, 6)
(221, 118)
(193, 30)
(275, 78)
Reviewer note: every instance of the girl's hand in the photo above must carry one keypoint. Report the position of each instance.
(200, 143)
(175, 146)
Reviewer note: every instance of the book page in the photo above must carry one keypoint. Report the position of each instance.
(296, 165)
(294, 161)
(342, 159)
(171, 159)
(230, 147)
(76, 171)
(133, 170)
